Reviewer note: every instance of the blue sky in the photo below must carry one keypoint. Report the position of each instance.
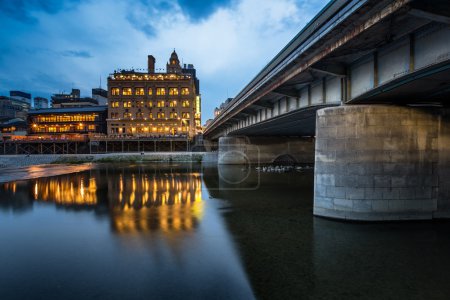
(49, 46)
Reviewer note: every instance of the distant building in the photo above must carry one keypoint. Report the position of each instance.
(16, 127)
(222, 107)
(73, 121)
(21, 96)
(100, 95)
(72, 100)
(155, 103)
(11, 108)
(40, 102)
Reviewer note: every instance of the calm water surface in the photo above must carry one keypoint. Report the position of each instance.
(190, 232)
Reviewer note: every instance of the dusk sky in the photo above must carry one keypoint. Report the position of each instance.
(51, 46)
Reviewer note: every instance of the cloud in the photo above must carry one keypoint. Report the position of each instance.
(73, 43)
(75, 53)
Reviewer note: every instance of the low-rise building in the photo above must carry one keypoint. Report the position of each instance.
(69, 121)
(72, 100)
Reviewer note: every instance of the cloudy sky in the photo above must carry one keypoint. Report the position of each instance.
(50, 46)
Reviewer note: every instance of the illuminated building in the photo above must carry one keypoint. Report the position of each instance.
(21, 96)
(155, 103)
(67, 121)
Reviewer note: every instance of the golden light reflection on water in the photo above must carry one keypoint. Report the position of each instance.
(169, 202)
(136, 201)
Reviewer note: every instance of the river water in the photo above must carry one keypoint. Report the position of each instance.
(182, 231)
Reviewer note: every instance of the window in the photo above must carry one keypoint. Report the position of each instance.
(173, 115)
(139, 103)
(150, 91)
(185, 115)
(114, 115)
(150, 115)
(115, 91)
(161, 115)
(173, 103)
(160, 91)
(139, 91)
(173, 91)
(160, 104)
(139, 115)
(126, 91)
(185, 103)
(127, 115)
(127, 104)
(185, 91)
(91, 127)
(114, 103)
(150, 104)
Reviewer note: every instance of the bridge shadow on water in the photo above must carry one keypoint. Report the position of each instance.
(289, 254)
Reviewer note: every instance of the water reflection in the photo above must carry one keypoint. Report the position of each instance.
(137, 199)
(117, 232)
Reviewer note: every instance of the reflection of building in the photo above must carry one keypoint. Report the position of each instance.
(68, 121)
(72, 100)
(155, 104)
(40, 102)
(143, 202)
(64, 190)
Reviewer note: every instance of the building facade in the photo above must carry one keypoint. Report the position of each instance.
(67, 121)
(154, 104)
(72, 100)
(40, 102)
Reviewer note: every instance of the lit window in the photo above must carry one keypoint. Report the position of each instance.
(127, 115)
(127, 104)
(160, 91)
(150, 115)
(150, 91)
(185, 91)
(173, 115)
(139, 115)
(173, 91)
(161, 115)
(185, 103)
(91, 127)
(139, 103)
(160, 104)
(150, 104)
(126, 91)
(173, 103)
(139, 91)
(186, 115)
(115, 91)
(114, 103)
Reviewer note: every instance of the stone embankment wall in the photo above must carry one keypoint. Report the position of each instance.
(9, 161)
(379, 162)
(265, 150)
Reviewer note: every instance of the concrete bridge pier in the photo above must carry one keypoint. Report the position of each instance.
(379, 162)
(241, 150)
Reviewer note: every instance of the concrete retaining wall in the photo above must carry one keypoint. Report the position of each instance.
(7, 161)
(381, 163)
(245, 150)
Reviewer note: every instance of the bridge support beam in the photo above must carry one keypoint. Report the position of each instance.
(379, 162)
(263, 150)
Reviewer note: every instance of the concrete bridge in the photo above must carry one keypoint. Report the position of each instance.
(363, 92)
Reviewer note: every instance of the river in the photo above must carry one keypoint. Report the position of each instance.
(186, 231)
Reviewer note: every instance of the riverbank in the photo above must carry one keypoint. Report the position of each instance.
(14, 161)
